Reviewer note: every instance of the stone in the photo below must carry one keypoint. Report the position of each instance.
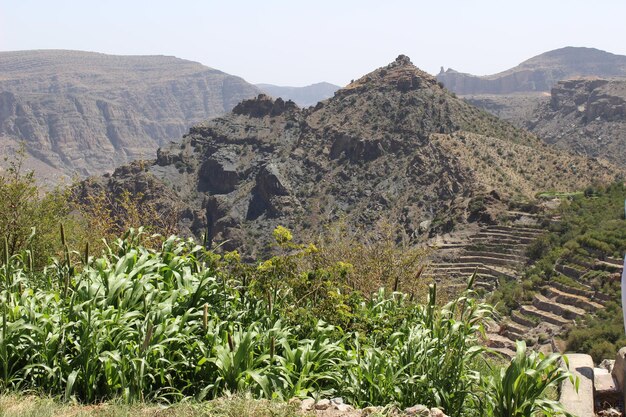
(436, 412)
(619, 368)
(337, 400)
(418, 410)
(323, 404)
(368, 411)
(607, 364)
(295, 401)
(343, 407)
(605, 386)
(307, 404)
(610, 412)
(579, 403)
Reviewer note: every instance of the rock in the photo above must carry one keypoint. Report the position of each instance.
(263, 106)
(307, 404)
(343, 407)
(619, 368)
(436, 412)
(610, 412)
(605, 387)
(580, 403)
(218, 176)
(367, 411)
(337, 400)
(323, 404)
(418, 410)
(424, 226)
(607, 364)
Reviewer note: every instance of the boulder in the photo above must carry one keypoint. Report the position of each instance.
(579, 403)
(418, 410)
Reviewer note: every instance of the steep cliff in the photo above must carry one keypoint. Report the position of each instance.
(586, 116)
(85, 113)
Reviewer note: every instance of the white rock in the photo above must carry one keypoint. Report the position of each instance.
(435, 412)
(370, 410)
(343, 407)
(323, 404)
(307, 404)
(418, 410)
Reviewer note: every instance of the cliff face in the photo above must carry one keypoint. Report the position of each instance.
(585, 116)
(391, 146)
(85, 113)
(539, 73)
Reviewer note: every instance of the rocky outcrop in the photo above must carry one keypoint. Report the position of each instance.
(539, 73)
(393, 146)
(587, 116)
(84, 113)
(264, 106)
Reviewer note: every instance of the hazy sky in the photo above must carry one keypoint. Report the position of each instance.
(302, 42)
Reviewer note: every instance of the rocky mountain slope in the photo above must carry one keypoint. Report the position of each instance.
(539, 73)
(86, 113)
(587, 116)
(391, 146)
(302, 96)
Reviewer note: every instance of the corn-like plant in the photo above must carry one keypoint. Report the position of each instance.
(521, 389)
(140, 324)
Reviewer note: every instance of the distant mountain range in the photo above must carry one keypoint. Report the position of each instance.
(302, 96)
(83, 113)
(538, 74)
(574, 98)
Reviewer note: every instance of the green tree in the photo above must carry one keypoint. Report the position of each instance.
(29, 218)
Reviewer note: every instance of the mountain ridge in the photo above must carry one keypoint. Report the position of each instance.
(392, 146)
(539, 73)
(86, 112)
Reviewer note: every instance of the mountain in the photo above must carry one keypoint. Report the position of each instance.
(85, 113)
(392, 146)
(586, 116)
(539, 73)
(302, 96)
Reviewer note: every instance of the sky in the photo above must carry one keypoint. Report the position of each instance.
(303, 42)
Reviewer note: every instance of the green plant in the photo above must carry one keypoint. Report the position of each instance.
(522, 388)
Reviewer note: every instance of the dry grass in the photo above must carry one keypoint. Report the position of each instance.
(238, 406)
(523, 169)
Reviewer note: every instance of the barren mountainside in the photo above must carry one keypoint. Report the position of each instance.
(585, 116)
(391, 146)
(86, 113)
(539, 73)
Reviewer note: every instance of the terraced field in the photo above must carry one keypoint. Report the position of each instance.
(499, 253)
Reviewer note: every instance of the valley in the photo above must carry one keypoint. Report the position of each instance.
(412, 235)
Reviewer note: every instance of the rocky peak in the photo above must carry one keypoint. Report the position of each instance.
(392, 146)
(264, 105)
(401, 74)
(401, 60)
